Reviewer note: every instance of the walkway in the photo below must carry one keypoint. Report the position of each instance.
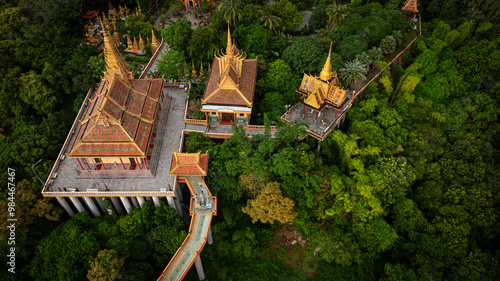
(203, 208)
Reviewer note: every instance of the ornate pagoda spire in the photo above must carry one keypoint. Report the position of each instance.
(135, 45)
(116, 37)
(129, 42)
(115, 65)
(154, 42)
(229, 48)
(326, 74)
(141, 42)
(194, 73)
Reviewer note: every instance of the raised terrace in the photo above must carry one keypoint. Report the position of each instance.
(69, 179)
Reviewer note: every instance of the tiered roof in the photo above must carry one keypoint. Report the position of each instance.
(410, 6)
(119, 118)
(232, 79)
(189, 164)
(323, 90)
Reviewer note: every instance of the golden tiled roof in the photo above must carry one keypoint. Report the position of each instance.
(189, 164)
(410, 6)
(325, 89)
(118, 119)
(232, 79)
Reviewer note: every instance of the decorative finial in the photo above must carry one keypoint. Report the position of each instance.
(229, 49)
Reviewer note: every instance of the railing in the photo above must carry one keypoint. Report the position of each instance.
(176, 84)
(151, 61)
(192, 121)
(259, 127)
(178, 253)
(67, 141)
(322, 136)
(107, 193)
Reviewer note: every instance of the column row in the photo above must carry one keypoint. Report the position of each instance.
(99, 206)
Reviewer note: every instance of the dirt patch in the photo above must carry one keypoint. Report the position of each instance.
(299, 255)
(193, 110)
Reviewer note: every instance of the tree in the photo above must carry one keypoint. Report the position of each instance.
(177, 35)
(66, 252)
(336, 13)
(352, 45)
(106, 266)
(171, 65)
(353, 72)
(305, 55)
(270, 206)
(203, 44)
(388, 44)
(287, 12)
(34, 92)
(28, 207)
(269, 20)
(230, 11)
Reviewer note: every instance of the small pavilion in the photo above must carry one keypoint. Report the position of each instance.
(193, 3)
(317, 93)
(410, 6)
(230, 88)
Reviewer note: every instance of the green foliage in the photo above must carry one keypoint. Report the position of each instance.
(177, 35)
(305, 55)
(230, 11)
(198, 142)
(287, 12)
(171, 65)
(351, 46)
(203, 44)
(353, 72)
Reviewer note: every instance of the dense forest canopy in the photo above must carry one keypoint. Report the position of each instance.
(406, 189)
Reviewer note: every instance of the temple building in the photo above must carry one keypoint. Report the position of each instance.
(322, 102)
(230, 88)
(193, 3)
(319, 92)
(119, 123)
(410, 6)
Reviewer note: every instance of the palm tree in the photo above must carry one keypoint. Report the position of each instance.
(353, 72)
(269, 20)
(388, 44)
(230, 11)
(336, 13)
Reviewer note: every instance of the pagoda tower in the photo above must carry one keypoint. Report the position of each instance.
(115, 65)
(141, 43)
(154, 42)
(135, 46)
(129, 42)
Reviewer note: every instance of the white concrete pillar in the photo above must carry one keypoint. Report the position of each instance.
(101, 205)
(78, 204)
(171, 202)
(178, 192)
(178, 207)
(157, 202)
(199, 268)
(92, 206)
(135, 202)
(141, 200)
(118, 206)
(126, 203)
(65, 205)
(148, 198)
(210, 239)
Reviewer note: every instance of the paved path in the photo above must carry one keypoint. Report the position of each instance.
(199, 230)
